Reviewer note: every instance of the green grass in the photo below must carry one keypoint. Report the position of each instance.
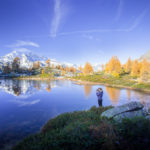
(42, 76)
(86, 130)
(124, 80)
(45, 75)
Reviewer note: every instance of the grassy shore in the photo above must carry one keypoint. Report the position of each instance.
(124, 81)
(86, 130)
(37, 77)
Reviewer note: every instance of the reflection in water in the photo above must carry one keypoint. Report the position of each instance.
(87, 90)
(128, 94)
(100, 102)
(48, 88)
(37, 85)
(21, 88)
(114, 94)
(26, 105)
(17, 89)
(143, 98)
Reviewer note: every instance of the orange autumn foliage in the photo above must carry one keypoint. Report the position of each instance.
(88, 69)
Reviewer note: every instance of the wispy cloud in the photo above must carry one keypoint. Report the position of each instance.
(90, 37)
(26, 103)
(138, 20)
(58, 17)
(131, 28)
(60, 11)
(20, 43)
(119, 10)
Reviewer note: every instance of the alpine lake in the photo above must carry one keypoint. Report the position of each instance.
(26, 105)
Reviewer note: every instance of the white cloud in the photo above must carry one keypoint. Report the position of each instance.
(119, 11)
(20, 43)
(56, 18)
(60, 12)
(26, 103)
(137, 20)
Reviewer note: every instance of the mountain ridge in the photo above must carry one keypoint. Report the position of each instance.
(27, 58)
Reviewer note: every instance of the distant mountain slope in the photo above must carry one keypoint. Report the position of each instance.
(145, 56)
(27, 58)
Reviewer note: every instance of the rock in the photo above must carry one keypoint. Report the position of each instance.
(130, 114)
(132, 106)
(148, 117)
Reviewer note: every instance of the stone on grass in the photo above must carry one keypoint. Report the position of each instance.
(129, 107)
(130, 114)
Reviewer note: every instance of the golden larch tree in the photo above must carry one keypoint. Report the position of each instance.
(67, 69)
(88, 69)
(36, 65)
(53, 66)
(107, 68)
(103, 67)
(135, 70)
(128, 66)
(48, 63)
(42, 71)
(80, 68)
(114, 66)
(144, 71)
(72, 69)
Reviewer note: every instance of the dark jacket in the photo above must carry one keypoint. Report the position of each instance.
(99, 94)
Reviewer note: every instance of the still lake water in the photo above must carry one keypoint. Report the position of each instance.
(25, 106)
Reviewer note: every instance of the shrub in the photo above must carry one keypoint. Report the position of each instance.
(86, 130)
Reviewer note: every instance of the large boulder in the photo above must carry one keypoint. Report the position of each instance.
(126, 110)
(148, 117)
(130, 114)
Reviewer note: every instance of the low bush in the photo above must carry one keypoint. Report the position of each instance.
(86, 130)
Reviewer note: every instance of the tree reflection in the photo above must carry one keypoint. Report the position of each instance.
(128, 94)
(87, 90)
(48, 88)
(141, 97)
(114, 94)
(26, 87)
(37, 85)
(17, 90)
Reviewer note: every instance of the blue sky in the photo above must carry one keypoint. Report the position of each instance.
(76, 31)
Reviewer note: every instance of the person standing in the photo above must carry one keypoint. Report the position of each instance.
(99, 93)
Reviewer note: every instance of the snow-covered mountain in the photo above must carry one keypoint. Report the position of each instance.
(97, 67)
(27, 58)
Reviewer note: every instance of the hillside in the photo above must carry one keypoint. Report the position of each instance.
(145, 56)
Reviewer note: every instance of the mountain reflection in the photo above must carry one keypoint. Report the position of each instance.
(37, 85)
(21, 88)
(114, 94)
(87, 90)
